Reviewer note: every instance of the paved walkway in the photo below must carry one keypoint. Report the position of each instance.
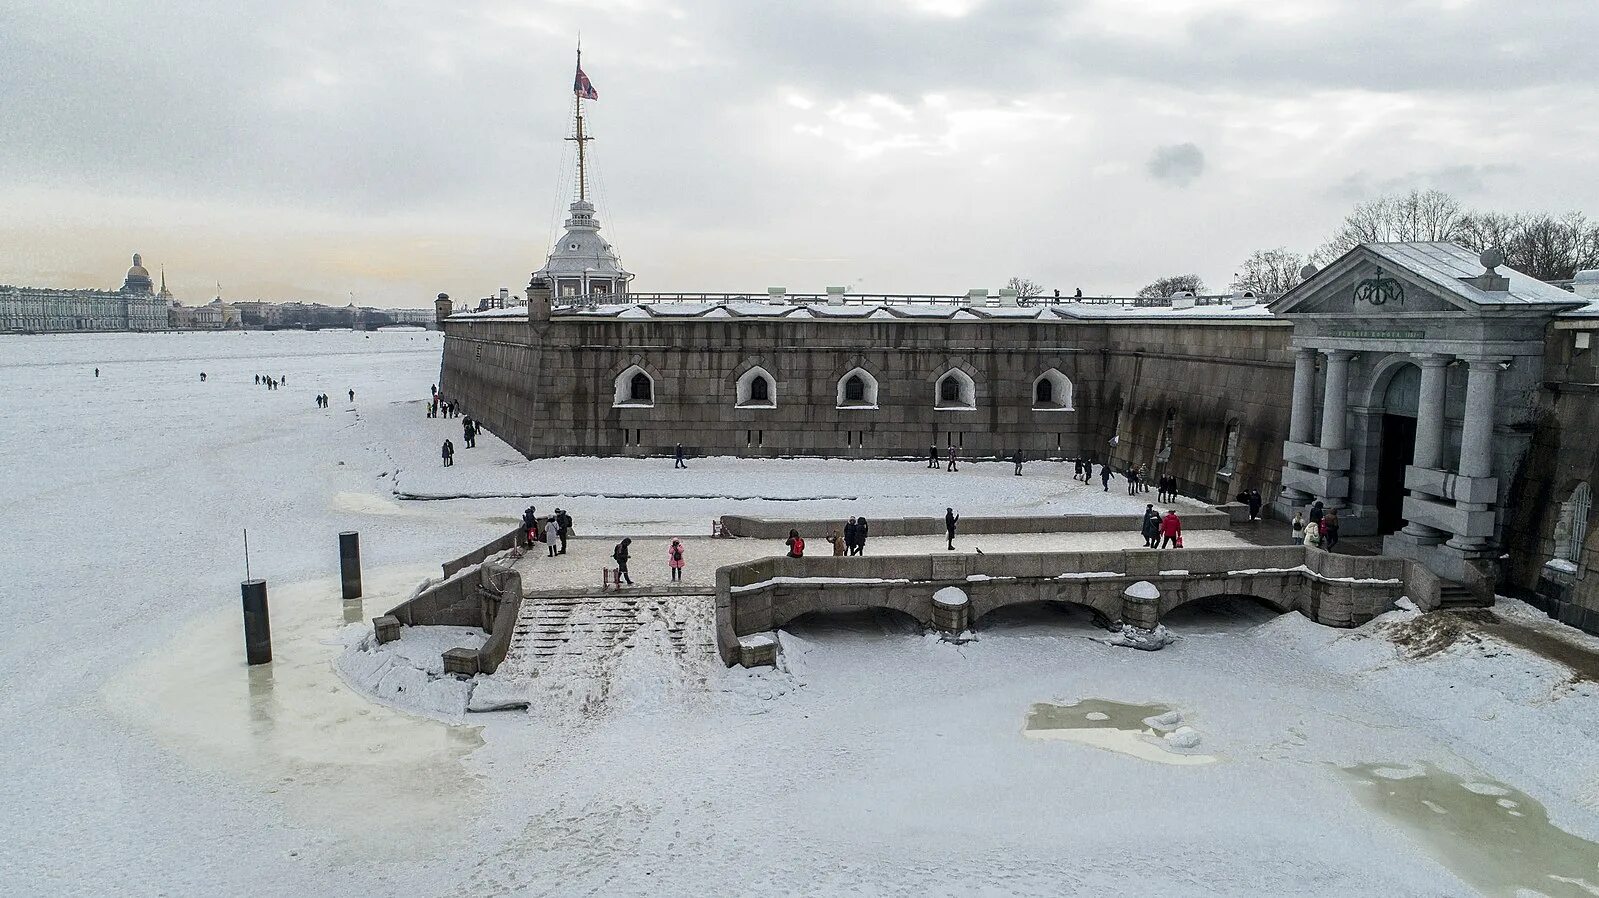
(581, 567)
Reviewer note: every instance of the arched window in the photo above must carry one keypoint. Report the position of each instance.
(1052, 392)
(857, 389)
(1571, 530)
(756, 389)
(634, 389)
(955, 391)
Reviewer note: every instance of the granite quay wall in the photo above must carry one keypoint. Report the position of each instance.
(549, 388)
(494, 547)
(1185, 388)
(1549, 565)
(472, 594)
(765, 528)
(1336, 590)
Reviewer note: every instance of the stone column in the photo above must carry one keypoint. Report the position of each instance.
(1430, 411)
(1477, 440)
(1299, 420)
(1429, 433)
(1477, 433)
(1335, 401)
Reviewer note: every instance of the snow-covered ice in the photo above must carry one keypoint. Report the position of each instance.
(140, 756)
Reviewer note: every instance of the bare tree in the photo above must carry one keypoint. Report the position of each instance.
(1024, 287)
(1176, 283)
(1270, 271)
(1538, 244)
(1417, 215)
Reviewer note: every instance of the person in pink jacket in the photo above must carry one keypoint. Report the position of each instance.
(674, 560)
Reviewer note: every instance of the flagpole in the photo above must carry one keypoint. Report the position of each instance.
(582, 161)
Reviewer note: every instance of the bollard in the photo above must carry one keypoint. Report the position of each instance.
(257, 625)
(350, 563)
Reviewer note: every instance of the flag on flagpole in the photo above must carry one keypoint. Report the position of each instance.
(583, 87)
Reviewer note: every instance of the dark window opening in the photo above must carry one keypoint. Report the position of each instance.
(855, 389)
(640, 389)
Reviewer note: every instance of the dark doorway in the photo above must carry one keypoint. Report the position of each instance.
(1398, 448)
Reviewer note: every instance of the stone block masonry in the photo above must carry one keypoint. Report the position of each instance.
(549, 388)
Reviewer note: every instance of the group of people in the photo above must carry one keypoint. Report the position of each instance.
(1160, 531)
(1318, 528)
(271, 383)
(469, 430)
(853, 539)
(322, 400)
(439, 407)
(557, 528)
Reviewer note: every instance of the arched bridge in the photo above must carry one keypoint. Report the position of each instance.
(1336, 590)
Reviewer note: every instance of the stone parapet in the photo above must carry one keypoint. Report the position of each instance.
(770, 528)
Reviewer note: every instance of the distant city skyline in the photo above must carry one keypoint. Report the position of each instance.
(912, 146)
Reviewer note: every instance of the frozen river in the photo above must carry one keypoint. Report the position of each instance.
(140, 756)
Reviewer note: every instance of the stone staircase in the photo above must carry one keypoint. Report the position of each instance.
(551, 628)
(1456, 595)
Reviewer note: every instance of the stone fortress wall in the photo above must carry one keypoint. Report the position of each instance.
(549, 388)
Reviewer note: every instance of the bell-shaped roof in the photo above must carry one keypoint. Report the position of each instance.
(581, 249)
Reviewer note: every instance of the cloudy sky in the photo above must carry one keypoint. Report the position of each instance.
(295, 149)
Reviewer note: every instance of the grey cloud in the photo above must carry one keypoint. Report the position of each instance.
(1177, 163)
(1460, 180)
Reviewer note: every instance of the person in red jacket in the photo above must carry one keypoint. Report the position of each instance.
(796, 545)
(1171, 530)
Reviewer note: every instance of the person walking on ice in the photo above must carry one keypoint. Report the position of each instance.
(950, 520)
(620, 555)
(469, 433)
(677, 460)
(352, 397)
(674, 560)
(1019, 458)
(1104, 476)
(449, 453)
(954, 455)
(552, 534)
(932, 455)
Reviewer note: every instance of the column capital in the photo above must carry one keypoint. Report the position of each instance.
(1432, 359)
(1340, 355)
(1306, 351)
(1484, 362)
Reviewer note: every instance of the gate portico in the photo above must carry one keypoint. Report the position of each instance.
(1475, 331)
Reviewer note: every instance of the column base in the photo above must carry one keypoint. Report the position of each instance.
(1422, 535)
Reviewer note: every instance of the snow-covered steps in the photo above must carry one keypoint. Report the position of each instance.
(550, 627)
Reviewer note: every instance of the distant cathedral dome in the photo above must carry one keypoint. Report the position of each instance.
(138, 279)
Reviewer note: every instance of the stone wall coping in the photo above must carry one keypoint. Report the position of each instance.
(777, 528)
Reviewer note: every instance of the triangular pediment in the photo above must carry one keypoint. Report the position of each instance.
(1363, 283)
